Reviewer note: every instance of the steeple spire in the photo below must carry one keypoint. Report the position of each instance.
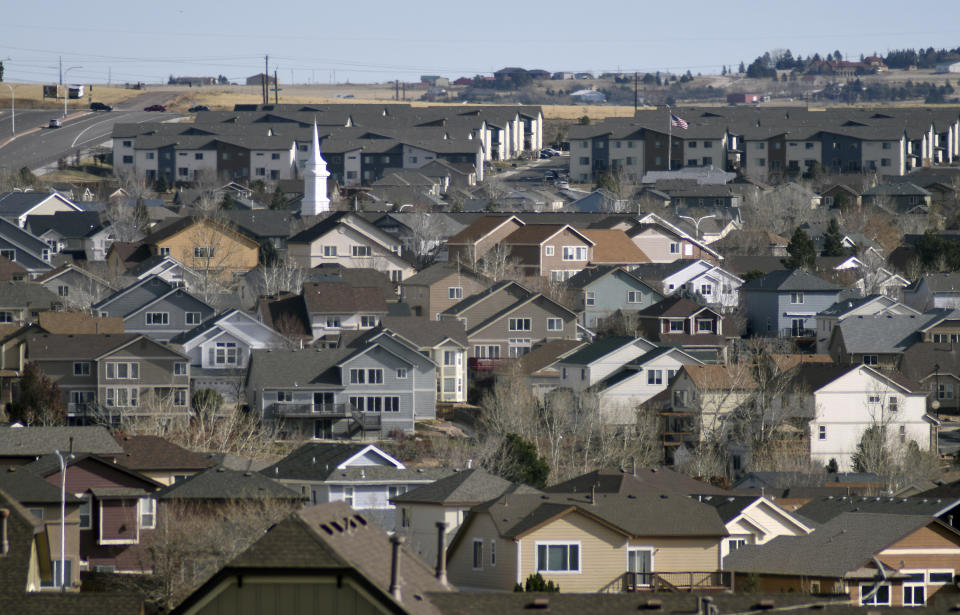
(315, 176)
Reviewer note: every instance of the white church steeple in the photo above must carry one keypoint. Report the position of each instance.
(315, 174)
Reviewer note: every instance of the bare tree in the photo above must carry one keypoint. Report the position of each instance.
(497, 264)
(284, 276)
(424, 239)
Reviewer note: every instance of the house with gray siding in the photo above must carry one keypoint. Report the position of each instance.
(785, 303)
(375, 385)
(602, 291)
(155, 307)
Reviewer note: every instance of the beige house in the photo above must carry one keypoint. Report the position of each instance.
(589, 543)
(472, 243)
(441, 286)
(206, 246)
(350, 241)
(555, 250)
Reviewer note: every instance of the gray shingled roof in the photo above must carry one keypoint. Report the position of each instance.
(824, 509)
(222, 484)
(29, 488)
(35, 441)
(290, 368)
(467, 487)
(598, 349)
(885, 333)
(318, 461)
(655, 480)
(843, 544)
(785, 280)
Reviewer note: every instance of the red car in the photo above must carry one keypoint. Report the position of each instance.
(155, 108)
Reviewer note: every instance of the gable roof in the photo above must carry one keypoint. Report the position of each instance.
(86, 346)
(785, 280)
(536, 234)
(78, 322)
(342, 298)
(148, 453)
(614, 246)
(586, 277)
(481, 227)
(824, 509)
(656, 479)
(331, 462)
(840, 546)
(30, 488)
(463, 488)
(438, 271)
(283, 368)
(674, 307)
(601, 348)
(15, 204)
(724, 377)
(423, 335)
(36, 441)
(219, 483)
(885, 333)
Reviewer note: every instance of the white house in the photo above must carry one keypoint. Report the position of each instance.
(16, 206)
(843, 402)
(874, 305)
(717, 287)
(596, 361)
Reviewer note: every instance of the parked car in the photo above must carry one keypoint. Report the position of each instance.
(550, 175)
(55, 123)
(562, 184)
(198, 108)
(544, 154)
(155, 108)
(99, 106)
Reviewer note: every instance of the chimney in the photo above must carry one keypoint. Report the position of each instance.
(469, 464)
(442, 551)
(593, 494)
(4, 542)
(396, 542)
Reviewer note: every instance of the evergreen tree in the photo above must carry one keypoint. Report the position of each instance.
(521, 463)
(742, 68)
(803, 254)
(279, 200)
(833, 240)
(39, 401)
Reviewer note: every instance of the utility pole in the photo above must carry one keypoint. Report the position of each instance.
(636, 94)
(396, 92)
(266, 78)
(276, 88)
(404, 91)
(109, 72)
(61, 79)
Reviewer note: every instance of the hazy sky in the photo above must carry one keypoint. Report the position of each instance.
(364, 41)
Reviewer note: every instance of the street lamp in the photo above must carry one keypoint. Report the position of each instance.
(66, 91)
(696, 222)
(63, 511)
(13, 109)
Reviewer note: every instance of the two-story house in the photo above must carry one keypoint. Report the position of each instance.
(785, 302)
(114, 378)
(381, 386)
(24, 249)
(347, 239)
(754, 520)
(446, 343)
(220, 348)
(934, 291)
(588, 543)
(16, 207)
(117, 515)
(333, 307)
(473, 242)
(557, 251)
(205, 245)
(507, 321)
(22, 302)
(843, 402)
(361, 475)
(160, 459)
(878, 340)
(76, 287)
(679, 321)
(447, 500)
(663, 242)
(156, 307)
(713, 285)
(595, 361)
(602, 291)
(440, 286)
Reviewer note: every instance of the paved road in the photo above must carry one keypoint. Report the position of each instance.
(85, 129)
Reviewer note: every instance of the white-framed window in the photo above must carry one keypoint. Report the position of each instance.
(225, 353)
(880, 598)
(180, 368)
(589, 297)
(873, 399)
(84, 511)
(155, 319)
(450, 357)
(654, 376)
(360, 251)
(519, 347)
(674, 247)
(122, 397)
(192, 318)
(348, 495)
(478, 554)
(333, 322)
(493, 553)
(391, 404)
(554, 324)
(148, 513)
(520, 324)
(8, 253)
(796, 298)
(735, 543)
(634, 296)
(368, 322)
(81, 368)
(180, 398)
(455, 292)
(574, 253)
(870, 359)
(706, 290)
(945, 390)
(401, 373)
(914, 588)
(893, 403)
(487, 352)
(63, 291)
(705, 324)
(640, 563)
(366, 376)
(329, 251)
(676, 326)
(822, 432)
(203, 252)
(122, 370)
(284, 396)
(558, 557)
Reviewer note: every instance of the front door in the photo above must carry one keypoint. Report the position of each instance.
(640, 566)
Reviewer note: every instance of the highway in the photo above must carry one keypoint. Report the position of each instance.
(38, 146)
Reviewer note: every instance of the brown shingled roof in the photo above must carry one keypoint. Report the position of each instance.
(342, 298)
(535, 234)
(711, 377)
(479, 228)
(614, 247)
(147, 453)
(78, 322)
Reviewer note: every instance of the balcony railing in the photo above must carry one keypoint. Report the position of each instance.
(483, 365)
(798, 332)
(311, 410)
(679, 437)
(677, 581)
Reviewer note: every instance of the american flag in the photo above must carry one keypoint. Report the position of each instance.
(679, 122)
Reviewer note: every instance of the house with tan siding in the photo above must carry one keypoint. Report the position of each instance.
(589, 543)
(555, 250)
(472, 243)
(874, 559)
(441, 286)
(206, 246)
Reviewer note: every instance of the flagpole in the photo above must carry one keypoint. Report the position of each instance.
(669, 137)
